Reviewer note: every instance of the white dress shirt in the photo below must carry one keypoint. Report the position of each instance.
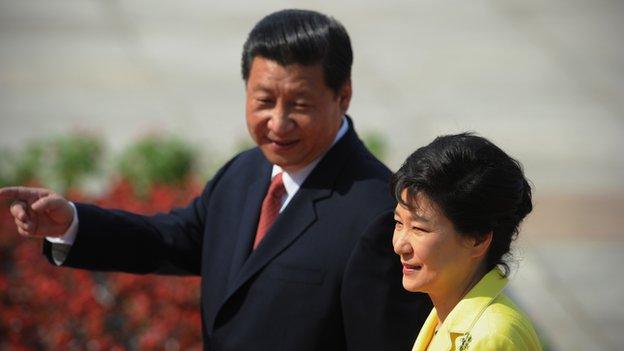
(293, 180)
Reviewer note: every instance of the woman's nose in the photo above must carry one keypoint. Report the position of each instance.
(400, 244)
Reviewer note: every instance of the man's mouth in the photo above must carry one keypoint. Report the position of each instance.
(283, 144)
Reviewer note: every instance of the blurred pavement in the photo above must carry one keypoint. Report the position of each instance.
(542, 79)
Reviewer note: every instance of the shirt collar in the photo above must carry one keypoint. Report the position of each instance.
(294, 180)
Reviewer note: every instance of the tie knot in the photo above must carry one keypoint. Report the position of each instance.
(270, 207)
(277, 189)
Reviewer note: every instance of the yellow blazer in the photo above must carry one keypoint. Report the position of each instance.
(485, 319)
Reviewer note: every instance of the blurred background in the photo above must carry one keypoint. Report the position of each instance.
(134, 104)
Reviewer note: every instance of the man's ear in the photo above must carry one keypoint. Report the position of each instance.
(345, 96)
(480, 245)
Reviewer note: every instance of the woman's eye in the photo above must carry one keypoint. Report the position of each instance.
(420, 229)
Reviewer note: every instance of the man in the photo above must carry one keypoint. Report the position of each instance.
(292, 239)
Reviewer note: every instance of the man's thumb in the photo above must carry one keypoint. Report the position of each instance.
(55, 206)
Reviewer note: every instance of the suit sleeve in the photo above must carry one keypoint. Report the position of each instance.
(115, 240)
(378, 313)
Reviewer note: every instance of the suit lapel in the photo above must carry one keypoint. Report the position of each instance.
(249, 221)
(426, 332)
(291, 223)
(298, 216)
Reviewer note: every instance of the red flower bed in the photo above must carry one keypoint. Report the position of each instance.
(43, 307)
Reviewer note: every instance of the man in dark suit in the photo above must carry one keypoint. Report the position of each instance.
(292, 239)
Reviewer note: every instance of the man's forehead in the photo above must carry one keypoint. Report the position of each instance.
(265, 74)
(288, 67)
(299, 88)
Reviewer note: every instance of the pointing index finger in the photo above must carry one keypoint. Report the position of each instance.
(22, 193)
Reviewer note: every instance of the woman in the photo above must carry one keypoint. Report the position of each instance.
(460, 201)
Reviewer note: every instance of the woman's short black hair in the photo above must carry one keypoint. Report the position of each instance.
(474, 183)
(301, 37)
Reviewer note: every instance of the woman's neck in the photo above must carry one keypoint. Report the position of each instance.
(444, 301)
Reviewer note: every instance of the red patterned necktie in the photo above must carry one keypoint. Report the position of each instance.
(270, 207)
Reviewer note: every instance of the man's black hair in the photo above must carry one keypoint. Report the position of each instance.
(301, 37)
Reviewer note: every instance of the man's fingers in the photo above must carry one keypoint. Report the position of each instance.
(56, 208)
(22, 193)
(24, 225)
(25, 233)
(26, 228)
(38, 212)
(49, 202)
(51, 230)
(19, 210)
(22, 232)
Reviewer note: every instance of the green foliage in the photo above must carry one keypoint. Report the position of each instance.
(64, 162)
(74, 158)
(376, 143)
(27, 167)
(157, 160)
(243, 144)
(61, 163)
(5, 168)
(20, 168)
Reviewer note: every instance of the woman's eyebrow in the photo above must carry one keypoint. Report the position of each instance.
(416, 217)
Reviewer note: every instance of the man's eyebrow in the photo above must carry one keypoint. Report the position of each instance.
(261, 87)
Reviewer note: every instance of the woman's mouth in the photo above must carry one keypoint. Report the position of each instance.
(411, 268)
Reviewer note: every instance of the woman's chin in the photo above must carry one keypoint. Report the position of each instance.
(411, 286)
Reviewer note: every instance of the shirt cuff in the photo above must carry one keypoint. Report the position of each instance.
(62, 244)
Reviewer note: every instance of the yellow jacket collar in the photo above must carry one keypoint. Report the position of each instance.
(469, 309)
(463, 316)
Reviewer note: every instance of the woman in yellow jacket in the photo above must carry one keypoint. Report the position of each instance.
(460, 202)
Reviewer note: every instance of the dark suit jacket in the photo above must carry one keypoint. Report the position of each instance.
(324, 277)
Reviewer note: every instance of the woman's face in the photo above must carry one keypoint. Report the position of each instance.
(435, 258)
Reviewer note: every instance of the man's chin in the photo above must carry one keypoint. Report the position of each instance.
(288, 165)
(277, 159)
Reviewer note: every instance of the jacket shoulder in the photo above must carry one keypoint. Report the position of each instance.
(248, 158)
(367, 181)
(503, 326)
(243, 166)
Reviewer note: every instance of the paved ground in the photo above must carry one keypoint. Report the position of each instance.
(569, 279)
(544, 79)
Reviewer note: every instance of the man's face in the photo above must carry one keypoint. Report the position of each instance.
(292, 115)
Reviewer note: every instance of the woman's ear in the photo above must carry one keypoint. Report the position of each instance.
(481, 244)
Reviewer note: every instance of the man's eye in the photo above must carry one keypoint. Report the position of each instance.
(301, 106)
(265, 101)
(397, 224)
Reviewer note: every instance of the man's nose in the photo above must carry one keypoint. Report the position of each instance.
(280, 122)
